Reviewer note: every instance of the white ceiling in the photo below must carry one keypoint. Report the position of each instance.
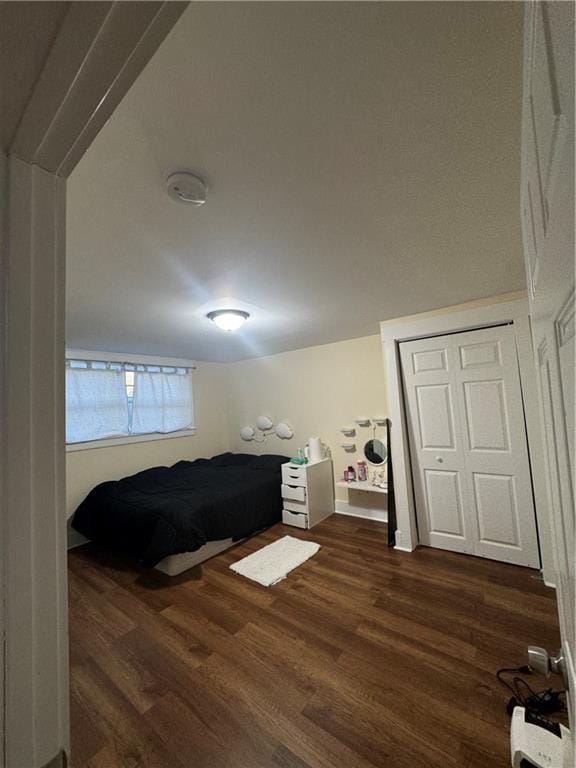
(363, 163)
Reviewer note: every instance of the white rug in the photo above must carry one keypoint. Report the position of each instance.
(274, 562)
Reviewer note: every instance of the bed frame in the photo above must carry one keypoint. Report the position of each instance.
(173, 565)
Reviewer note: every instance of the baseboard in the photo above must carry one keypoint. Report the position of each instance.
(400, 545)
(59, 761)
(345, 508)
(75, 539)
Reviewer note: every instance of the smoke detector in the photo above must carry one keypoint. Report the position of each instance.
(187, 188)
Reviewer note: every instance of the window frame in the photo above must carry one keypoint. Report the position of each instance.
(117, 357)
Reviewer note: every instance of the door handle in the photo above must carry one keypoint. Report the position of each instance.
(439, 459)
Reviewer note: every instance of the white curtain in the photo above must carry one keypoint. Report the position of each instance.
(96, 405)
(162, 402)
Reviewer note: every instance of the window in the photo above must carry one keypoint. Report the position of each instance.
(107, 400)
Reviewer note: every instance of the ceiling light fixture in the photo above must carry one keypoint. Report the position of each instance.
(228, 319)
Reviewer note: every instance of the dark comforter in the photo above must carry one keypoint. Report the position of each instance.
(167, 510)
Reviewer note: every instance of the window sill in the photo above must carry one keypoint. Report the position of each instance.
(128, 440)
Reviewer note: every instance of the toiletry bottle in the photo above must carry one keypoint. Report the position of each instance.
(361, 470)
(351, 474)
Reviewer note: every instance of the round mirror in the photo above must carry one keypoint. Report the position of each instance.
(375, 452)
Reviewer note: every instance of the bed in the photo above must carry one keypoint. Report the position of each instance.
(174, 517)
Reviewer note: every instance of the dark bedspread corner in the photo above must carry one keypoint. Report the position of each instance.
(168, 510)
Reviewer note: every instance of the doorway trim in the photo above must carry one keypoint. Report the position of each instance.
(97, 53)
(452, 320)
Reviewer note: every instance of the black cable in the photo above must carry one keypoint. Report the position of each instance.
(503, 682)
(518, 682)
(525, 670)
(524, 695)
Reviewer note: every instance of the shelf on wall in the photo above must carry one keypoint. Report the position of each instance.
(362, 485)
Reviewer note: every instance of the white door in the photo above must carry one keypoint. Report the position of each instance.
(468, 447)
(548, 230)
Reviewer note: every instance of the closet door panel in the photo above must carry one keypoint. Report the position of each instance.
(468, 445)
(444, 502)
(497, 506)
(486, 415)
(440, 488)
(435, 415)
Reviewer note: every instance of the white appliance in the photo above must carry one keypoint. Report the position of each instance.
(316, 450)
(531, 744)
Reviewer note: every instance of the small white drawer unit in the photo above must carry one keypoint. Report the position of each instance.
(307, 493)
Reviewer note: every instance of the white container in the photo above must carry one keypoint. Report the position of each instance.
(315, 449)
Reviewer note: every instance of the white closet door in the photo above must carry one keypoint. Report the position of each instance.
(436, 446)
(468, 445)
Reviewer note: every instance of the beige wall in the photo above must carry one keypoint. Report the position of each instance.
(85, 469)
(317, 390)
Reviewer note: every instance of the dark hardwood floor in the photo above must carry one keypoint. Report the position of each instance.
(363, 657)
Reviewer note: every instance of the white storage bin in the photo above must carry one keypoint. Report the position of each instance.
(296, 506)
(295, 493)
(295, 519)
(292, 475)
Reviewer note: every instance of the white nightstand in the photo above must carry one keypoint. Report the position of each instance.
(307, 493)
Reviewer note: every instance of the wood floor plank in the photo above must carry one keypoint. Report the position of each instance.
(126, 735)
(285, 758)
(362, 657)
(381, 747)
(187, 735)
(86, 736)
(277, 712)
